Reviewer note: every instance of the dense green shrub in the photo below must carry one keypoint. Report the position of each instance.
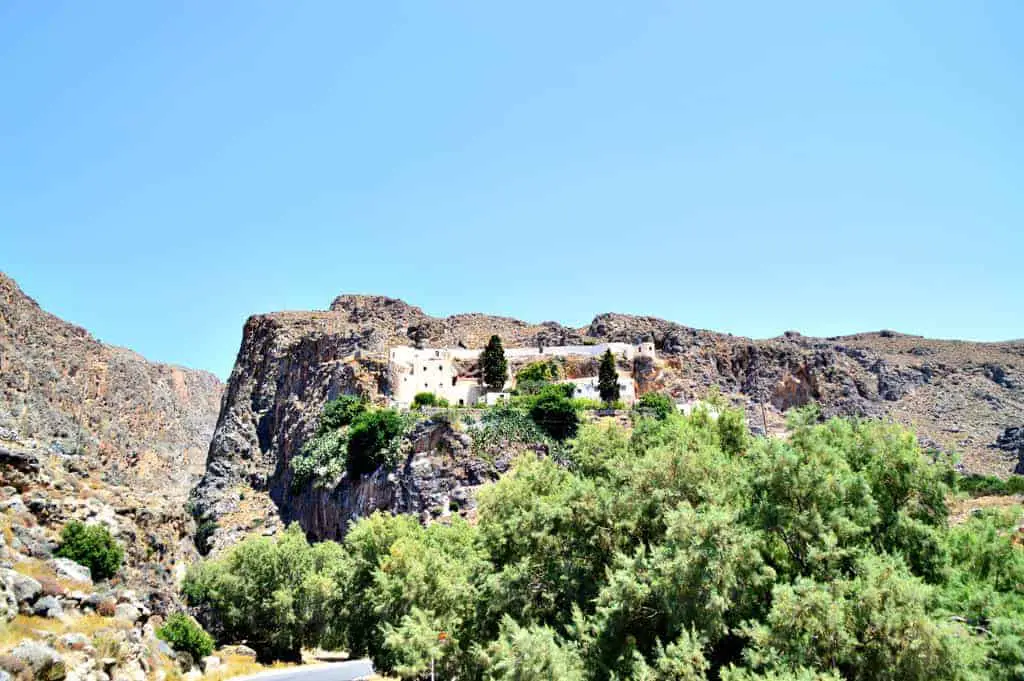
(204, 532)
(92, 546)
(504, 425)
(351, 436)
(373, 441)
(428, 400)
(655, 405)
(184, 634)
(340, 412)
(555, 414)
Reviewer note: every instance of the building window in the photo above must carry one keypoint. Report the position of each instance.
(440, 368)
(454, 378)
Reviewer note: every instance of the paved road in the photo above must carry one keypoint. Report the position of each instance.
(337, 671)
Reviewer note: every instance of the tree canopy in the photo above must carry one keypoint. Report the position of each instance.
(680, 549)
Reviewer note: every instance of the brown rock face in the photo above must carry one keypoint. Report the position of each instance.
(148, 424)
(958, 396)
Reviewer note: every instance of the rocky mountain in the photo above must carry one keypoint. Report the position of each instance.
(147, 425)
(959, 396)
(97, 434)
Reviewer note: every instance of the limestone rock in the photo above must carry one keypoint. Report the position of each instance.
(128, 612)
(47, 606)
(69, 569)
(239, 651)
(24, 588)
(45, 662)
(210, 663)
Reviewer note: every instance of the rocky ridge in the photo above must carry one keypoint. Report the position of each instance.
(959, 396)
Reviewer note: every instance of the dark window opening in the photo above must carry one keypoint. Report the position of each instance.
(454, 378)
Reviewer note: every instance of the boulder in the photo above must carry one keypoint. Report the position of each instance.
(69, 569)
(210, 663)
(127, 612)
(238, 651)
(45, 662)
(47, 606)
(185, 661)
(25, 588)
(8, 601)
(22, 461)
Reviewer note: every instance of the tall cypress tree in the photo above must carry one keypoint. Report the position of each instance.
(608, 378)
(494, 365)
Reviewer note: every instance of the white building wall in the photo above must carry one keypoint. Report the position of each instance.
(416, 370)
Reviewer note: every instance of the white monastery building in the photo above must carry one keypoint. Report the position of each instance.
(419, 370)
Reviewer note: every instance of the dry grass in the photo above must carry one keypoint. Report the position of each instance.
(30, 626)
(239, 665)
(961, 509)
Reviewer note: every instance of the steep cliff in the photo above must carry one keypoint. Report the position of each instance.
(959, 396)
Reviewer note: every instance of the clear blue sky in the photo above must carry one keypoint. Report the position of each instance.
(168, 168)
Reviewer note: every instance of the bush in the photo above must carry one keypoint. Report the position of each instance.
(373, 441)
(547, 371)
(555, 415)
(990, 485)
(92, 546)
(203, 534)
(655, 405)
(340, 412)
(428, 400)
(184, 634)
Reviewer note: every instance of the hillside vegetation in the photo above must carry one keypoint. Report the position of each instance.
(684, 549)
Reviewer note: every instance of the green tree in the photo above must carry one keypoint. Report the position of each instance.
(92, 546)
(269, 592)
(493, 365)
(608, 378)
(531, 653)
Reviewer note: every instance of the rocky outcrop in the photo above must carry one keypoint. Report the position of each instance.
(291, 363)
(438, 477)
